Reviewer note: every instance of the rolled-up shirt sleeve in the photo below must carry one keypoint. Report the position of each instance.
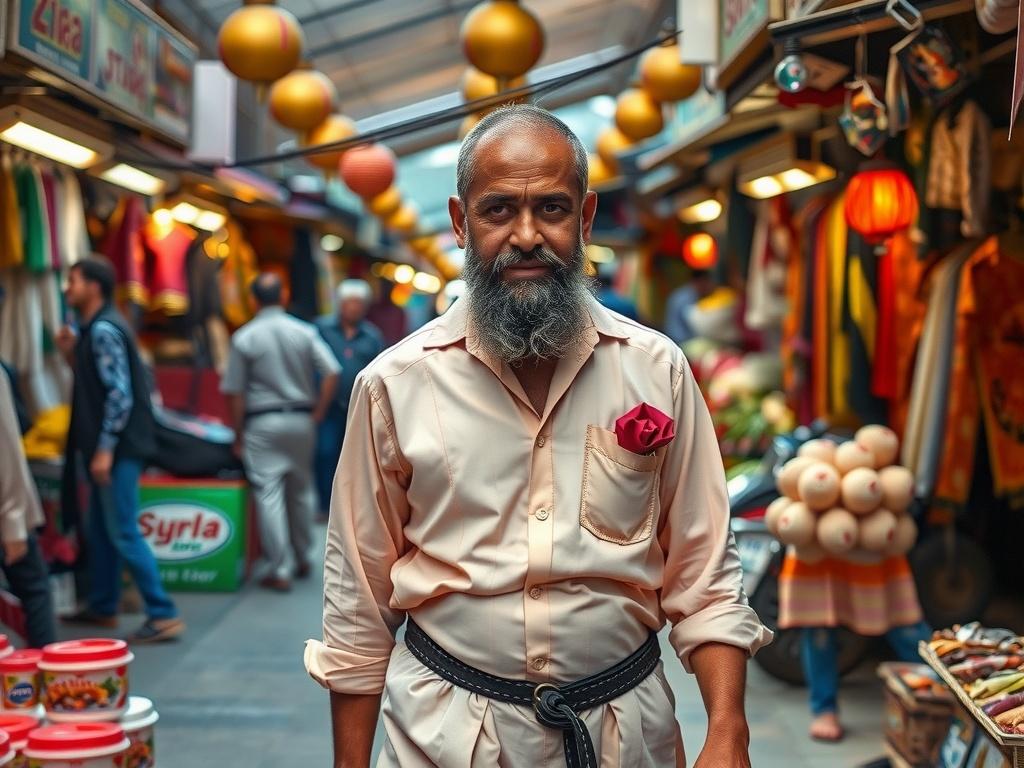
(365, 537)
(702, 594)
(115, 374)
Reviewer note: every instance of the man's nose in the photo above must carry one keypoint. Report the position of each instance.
(525, 234)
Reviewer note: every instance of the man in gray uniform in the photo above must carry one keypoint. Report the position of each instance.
(272, 391)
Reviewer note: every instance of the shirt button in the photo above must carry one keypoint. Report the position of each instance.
(536, 592)
(541, 440)
(539, 664)
(542, 514)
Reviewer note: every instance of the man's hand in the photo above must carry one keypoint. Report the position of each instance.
(66, 339)
(102, 464)
(727, 744)
(14, 551)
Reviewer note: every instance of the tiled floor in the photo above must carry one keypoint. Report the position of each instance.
(234, 693)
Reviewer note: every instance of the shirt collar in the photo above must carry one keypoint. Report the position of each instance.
(454, 326)
(271, 310)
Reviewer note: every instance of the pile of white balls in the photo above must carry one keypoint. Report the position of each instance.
(838, 499)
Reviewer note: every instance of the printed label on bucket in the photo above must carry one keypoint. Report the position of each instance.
(21, 691)
(80, 694)
(141, 754)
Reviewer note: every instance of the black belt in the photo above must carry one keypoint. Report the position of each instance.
(279, 409)
(555, 706)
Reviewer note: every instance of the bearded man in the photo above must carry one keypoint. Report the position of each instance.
(534, 483)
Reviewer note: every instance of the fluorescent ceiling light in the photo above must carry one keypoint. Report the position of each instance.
(783, 163)
(186, 213)
(50, 145)
(331, 243)
(763, 187)
(404, 274)
(701, 212)
(211, 221)
(132, 178)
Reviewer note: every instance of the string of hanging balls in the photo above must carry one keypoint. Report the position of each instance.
(263, 44)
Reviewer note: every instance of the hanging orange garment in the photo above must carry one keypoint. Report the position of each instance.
(237, 274)
(903, 329)
(838, 343)
(963, 415)
(12, 253)
(998, 351)
(820, 336)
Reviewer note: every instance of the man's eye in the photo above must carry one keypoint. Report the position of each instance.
(553, 208)
(497, 210)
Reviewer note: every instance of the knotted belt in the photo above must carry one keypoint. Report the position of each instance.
(555, 706)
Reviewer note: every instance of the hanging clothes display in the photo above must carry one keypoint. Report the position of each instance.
(766, 305)
(12, 251)
(72, 228)
(236, 275)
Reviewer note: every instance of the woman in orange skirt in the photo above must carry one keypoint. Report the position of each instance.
(869, 595)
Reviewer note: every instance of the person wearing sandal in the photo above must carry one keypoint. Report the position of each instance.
(112, 432)
(867, 595)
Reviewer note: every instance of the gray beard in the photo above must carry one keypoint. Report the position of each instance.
(535, 319)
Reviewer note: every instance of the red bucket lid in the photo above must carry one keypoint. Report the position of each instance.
(18, 727)
(21, 661)
(72, 737)
(85, 651)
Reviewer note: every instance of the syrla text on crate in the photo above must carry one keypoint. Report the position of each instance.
(183, 531)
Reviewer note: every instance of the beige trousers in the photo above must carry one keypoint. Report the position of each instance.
(430, 722)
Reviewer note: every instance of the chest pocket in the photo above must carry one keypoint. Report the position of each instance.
(620, 490)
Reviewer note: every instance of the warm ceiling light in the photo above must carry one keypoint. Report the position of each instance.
(332, 243)
(209, 219)
(404, 274)
(163, 218)
(132, 178)
(784, 163)
(49, 145)
(701, 212)
(426, 282)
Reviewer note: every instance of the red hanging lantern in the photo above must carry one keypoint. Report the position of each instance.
(369, 170)
(700, 251)
(880, 201)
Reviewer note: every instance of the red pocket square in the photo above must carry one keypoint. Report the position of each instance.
(644, 429)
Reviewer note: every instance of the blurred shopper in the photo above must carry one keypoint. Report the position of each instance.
(355, 342)
(608, 296)
(681, 301)
(391, 320)
(276, 406)
(485, 493)
(20, 514)
(112, 431)
(865, 594)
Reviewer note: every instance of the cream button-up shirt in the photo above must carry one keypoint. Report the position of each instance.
(529, 545)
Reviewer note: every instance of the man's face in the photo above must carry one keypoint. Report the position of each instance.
(352, 311)
(79, 291)
(523, 225)
(523, 197)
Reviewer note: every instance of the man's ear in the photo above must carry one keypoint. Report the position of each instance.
(457, 211)
(589, 212)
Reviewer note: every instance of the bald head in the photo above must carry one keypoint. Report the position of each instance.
(523, 120)
(267, 289)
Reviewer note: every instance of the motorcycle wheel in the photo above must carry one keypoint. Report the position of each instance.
(781, 658)
(954, 579)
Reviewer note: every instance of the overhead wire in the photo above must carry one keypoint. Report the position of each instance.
(412, 125)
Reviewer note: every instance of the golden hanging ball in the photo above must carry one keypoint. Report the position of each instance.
(468, 125)
(609, 144)
(638, 116)
(665, 77)
(386, 203)
(599, 172)
(335, 128)
(502, 39)
(477, 85)
(422, 245)
(260, 43)
(302, 100)
(404, 219)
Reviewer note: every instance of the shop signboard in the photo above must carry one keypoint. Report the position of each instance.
(698, 115)
(117, 50)
(196, 531)
(743, 33)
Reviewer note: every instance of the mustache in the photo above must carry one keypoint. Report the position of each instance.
(513, 255)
